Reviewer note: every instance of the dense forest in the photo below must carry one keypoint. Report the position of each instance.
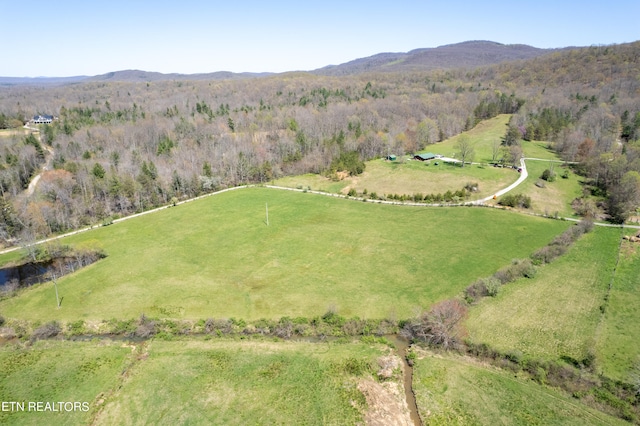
(118, 148)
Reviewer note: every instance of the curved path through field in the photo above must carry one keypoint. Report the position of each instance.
(523, 176)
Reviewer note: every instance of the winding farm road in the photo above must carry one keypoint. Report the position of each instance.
(523, 176)
(47, 166)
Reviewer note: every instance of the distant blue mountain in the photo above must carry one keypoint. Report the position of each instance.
(468, 54)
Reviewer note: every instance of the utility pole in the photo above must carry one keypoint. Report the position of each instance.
(55, 285)
(267, 207)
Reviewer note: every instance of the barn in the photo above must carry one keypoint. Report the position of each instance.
(425, 156)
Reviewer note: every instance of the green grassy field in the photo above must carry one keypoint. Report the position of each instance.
(556, 313)
(617, 339)
(216, 257)
(196, 381)
(483, 136)
(538, 149)
(454, 391)
(53, 371)
(238, 383)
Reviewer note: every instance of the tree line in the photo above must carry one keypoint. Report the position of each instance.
(121, 148)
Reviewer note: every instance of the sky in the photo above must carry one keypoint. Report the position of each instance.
(68, 38)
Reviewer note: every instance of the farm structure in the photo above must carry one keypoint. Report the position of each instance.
(425, 156)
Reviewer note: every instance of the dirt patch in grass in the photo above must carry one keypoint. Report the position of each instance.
(628, 249)
(385, 402)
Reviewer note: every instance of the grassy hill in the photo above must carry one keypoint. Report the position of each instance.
(216, 257)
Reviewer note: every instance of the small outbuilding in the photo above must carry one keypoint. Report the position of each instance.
(391, 157)
(425, 157)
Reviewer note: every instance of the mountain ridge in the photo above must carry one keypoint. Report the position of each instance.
(467, 54)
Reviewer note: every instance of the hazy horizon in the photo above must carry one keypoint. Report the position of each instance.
(193, 37)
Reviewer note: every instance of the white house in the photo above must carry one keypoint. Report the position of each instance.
(42, 119)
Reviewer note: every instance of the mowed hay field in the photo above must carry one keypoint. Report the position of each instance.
(618, 344)
(556, 313)
(457, 391)
(216, 257)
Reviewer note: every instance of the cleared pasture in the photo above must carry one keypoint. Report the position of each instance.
(195, 381)
(416, 177)
(408, 177)
(216, 257)
(238, 383)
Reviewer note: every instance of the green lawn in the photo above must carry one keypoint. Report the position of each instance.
(216, 257)
(53, 371)
(453, 391)
(617, 344)
(240, 383)
(556, 313)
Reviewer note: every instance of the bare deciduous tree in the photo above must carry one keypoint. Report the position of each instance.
(440, 326)
(465, 149)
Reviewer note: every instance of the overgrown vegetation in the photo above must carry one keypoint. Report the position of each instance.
(515, 200)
